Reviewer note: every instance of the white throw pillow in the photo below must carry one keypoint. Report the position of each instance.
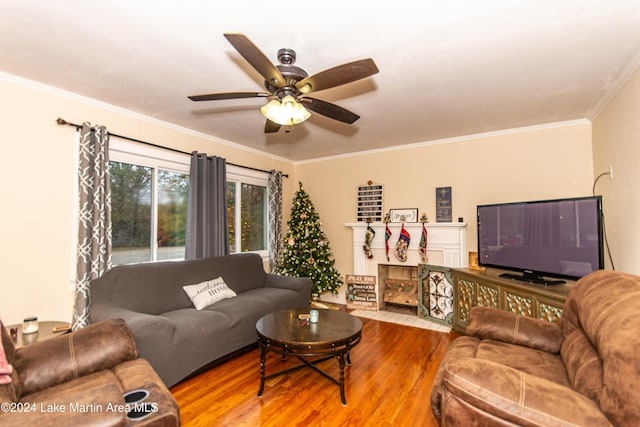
(209, 292)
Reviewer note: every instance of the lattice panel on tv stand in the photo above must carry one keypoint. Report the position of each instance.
(485, 288)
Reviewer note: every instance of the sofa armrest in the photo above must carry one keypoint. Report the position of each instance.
(499, 325)
(149, 331)
(488, 389)
(94, 348)
(302, 285)
(136, 320)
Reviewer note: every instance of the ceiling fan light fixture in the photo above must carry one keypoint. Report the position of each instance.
(286, 112)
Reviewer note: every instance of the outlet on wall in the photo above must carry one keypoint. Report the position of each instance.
(610, 171)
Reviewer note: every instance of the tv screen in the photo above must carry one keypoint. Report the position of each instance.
(555, 238)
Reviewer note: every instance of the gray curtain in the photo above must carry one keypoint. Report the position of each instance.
(207, 229)
(274, 189)
(94, 229)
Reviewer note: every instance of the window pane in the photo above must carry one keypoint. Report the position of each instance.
(253, 217)
(231, 214)
(130, 212)
(173, 192)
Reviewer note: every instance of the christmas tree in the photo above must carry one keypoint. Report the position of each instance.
(306, 248)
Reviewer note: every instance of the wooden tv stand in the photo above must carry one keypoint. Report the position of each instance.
(486, 288)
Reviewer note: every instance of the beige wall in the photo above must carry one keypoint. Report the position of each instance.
(36, 223)
(36, 189)
(529, 164)
(616, 142)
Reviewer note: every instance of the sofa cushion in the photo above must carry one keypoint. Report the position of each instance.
(482, 393)
(525, 359)
(488, 323)
(209, 292)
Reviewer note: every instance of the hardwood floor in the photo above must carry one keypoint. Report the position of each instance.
(388, 384)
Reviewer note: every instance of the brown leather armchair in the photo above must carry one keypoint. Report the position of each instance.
(84, 378)
(513, 370)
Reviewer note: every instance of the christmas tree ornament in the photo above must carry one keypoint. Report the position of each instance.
(402, 245)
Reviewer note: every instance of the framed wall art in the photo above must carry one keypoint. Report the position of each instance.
(443, 204)
(403, 215)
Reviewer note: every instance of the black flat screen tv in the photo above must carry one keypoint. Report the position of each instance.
(545, 238)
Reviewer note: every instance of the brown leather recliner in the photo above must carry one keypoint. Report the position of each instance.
(81, 378)
(513, 370)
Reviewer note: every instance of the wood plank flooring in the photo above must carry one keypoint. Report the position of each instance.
(388, 384)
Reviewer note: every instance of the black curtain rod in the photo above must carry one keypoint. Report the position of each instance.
(77, 126)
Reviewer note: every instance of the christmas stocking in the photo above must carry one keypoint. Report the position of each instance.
(368, 238)
(387, 236)
(422, 247)
(403, 244)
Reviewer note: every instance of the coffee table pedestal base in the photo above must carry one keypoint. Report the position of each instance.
(342, 354)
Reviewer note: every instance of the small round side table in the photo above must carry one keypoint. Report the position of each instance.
(45, 332)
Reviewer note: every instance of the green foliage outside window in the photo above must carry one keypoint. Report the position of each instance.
(252, 216)
(132, 209)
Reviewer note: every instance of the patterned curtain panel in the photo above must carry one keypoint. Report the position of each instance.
(207, 225)
(94, 228)
(274, 188)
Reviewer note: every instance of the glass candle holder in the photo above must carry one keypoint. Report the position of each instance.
(313, 316)
(30, 325)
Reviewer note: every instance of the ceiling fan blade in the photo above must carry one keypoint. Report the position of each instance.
(270, 127)
(257, 59)
(330, 110)
(336, 76)
(228, 95)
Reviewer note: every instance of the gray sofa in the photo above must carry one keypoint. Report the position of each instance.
(170, 333)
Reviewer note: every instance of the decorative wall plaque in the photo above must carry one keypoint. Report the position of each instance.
(443, 204)
(370, 202)
(361, 292)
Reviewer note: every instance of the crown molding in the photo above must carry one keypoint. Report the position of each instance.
(452, 140)
(51, 90)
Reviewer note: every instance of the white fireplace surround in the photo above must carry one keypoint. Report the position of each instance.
(446, 246)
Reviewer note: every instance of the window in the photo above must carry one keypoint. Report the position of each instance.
(149, 196)
(247, 205)
(149, 193)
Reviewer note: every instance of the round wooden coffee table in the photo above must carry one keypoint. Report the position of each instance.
(283, 332)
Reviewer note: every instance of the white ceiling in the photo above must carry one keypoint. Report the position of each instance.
(447, 68)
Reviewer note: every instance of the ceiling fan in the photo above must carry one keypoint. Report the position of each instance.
(289, 86)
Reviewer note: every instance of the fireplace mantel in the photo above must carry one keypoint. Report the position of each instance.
(446, 245)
